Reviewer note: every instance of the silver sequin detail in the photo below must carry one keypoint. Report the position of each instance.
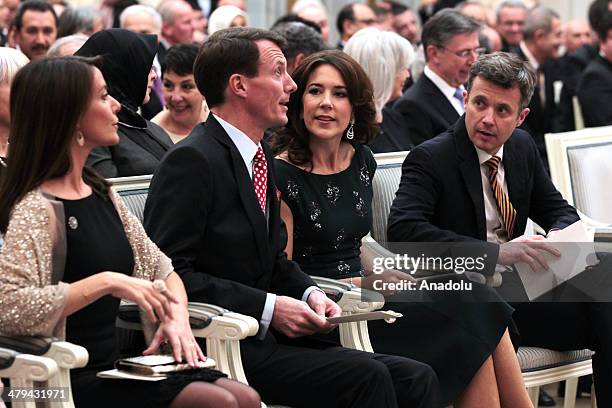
(73, 223)
(339, 238)
(343, 267)
(359, 205)
(364, 176)
(332, 193)
(293, 190)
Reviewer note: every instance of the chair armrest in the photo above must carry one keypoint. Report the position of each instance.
(63, 354)
(23, 369)
(221, 328)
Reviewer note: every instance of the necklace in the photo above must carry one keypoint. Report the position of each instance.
(2, 162)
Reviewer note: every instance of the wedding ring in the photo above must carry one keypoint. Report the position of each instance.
(159, 285)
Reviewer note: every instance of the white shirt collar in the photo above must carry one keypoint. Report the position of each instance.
(530, 58)
(484, 156)
(444, 87)
(246, 147)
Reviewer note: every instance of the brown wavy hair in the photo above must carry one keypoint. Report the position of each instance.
(294, 137)
(59, 89)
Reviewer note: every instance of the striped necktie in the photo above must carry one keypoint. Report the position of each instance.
(507, 211)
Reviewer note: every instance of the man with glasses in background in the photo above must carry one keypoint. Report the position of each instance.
(352, 18)
(435, 101)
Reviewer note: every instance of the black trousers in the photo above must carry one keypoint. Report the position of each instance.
(558, 322)
(325, 375)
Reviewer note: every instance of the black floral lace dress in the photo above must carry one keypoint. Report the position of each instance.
(453, 333)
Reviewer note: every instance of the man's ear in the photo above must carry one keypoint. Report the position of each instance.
(539, 34)
(237, 85)
(522, 116)
(466, 99)
(297, 60)
(431, 53)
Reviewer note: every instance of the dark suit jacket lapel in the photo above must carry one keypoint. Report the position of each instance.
(470, 171)
(439, 101)
(245, 190)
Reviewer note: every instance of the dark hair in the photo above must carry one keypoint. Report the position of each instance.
(301, 39)
(75, 20)
(227, 52)
(597, 10)
(32, 5)
(396, 8)
(346, 13)
(444, 25)
(294, 137)
(604, 24)
(507, 71)
(294, 18)
(40, 148)
(180, 59)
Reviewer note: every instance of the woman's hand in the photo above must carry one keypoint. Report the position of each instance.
(142, 292)
(177, 332)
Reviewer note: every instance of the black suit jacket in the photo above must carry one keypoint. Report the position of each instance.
(425, 110)
(440, 197)
(138, 152)
(541, 118)
(571, 67)
(595, 93)
(203, 213)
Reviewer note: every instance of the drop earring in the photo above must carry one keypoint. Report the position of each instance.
(80, 138)
(350, 133)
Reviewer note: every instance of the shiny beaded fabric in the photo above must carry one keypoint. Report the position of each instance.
(32, 295)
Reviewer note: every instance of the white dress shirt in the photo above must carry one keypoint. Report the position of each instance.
(447, 90)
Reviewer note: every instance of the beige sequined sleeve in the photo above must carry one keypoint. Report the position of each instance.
(149, 261)
(29, 303)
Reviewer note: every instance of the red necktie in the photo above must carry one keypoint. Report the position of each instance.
(260, 177)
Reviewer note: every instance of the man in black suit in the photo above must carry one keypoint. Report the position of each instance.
(214, 209)
(435, 101)
(511, 15)
(479, 182)
(540, 48)
(595, 86)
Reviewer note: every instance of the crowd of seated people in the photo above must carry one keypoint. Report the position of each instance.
(272, 134)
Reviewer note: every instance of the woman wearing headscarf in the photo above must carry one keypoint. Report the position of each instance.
(127, 61)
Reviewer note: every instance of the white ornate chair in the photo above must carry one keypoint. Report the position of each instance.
(580, 168)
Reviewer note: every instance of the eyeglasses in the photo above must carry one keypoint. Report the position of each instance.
(367, 21)
(467, 53)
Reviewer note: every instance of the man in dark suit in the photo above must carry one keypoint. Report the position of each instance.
(479, 182)
(214, 209)
(511, 15)
(540, 48)
(435, 101)
(595, 86)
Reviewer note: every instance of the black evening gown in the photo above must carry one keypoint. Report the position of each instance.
(453, 332)
(96, 242)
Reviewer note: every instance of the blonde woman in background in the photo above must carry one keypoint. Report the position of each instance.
(185, 105)
(386, 58)
(225, 17)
